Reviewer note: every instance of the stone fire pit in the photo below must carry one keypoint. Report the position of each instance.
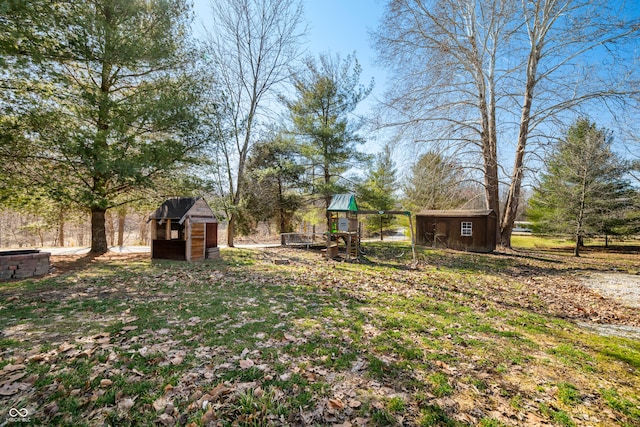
(20, 264)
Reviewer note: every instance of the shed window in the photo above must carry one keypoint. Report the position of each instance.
(466, 229)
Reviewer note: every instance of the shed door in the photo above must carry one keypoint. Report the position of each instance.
(441, 233)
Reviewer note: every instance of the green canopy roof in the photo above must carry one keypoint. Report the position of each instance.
(343, 203)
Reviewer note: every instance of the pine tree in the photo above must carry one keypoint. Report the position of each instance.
(583, 188)
(327, 93)
(377, 191)
(120, 108)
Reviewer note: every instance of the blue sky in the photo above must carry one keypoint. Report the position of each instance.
(339, 27)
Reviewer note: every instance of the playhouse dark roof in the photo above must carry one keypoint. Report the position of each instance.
(343, 203)
(174, 208)
(179, 208)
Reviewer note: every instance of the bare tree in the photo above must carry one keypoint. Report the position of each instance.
(252, 44)
(461, 68)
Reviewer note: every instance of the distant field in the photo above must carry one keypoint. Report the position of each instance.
(542, 242)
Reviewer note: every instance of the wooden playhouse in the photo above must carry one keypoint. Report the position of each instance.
(184, 228)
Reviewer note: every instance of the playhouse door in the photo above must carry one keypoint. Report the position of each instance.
(212, 235)
(197, 241)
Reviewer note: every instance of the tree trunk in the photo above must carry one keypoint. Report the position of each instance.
(491, 178)
(143, 236)
(61, 228)
(511, 206)
(110, 229)
(230, 226)
(98, 232)
(122, 216)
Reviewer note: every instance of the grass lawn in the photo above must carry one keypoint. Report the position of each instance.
(462, 339)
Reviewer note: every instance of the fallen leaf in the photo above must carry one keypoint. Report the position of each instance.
(51, 409)
(336, 404)
(353, 403)
(218, 391)
(246, 363)
(104, 383)
(13, 388)
(126, 404)
(160, 403)
(11, 368)
(208, 416)
(167, 420)
(64, 347)
(13, 378)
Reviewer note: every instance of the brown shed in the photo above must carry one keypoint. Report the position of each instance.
(184, 228)
(464, 230)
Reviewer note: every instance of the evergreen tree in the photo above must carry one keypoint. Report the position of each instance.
(327, 93)
(121, 98)
(583, 191)
(435, 183)
(377, 191)
(276, 179)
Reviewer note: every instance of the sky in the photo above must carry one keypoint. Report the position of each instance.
(337, 27)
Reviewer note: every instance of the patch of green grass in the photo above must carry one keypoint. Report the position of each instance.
(243, 375)
(8, 343)
(491, 422)
(70, 406)
(434, 416)
(530, 241)
(530, 322)
(516, 402)
(382, 417)
(396, 405)
(440, 386)
(558, 416)
(568, 394)
(622, 405)
(620, 349)
(381, 370)
(571, 356)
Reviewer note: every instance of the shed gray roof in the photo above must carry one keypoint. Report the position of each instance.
(456, 213)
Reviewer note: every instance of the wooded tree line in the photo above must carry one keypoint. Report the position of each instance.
(113, 103)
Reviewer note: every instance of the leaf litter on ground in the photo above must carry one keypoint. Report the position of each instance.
(461, 339)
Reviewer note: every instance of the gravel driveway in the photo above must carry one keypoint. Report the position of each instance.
(624, 289)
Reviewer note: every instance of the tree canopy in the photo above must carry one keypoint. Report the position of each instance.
(489, 77)
(118, 104)
(583, 191)
(327, 92)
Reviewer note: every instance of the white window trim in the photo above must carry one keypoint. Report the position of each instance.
(466, 229)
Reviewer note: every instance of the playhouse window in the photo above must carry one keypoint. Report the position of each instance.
(466, 229)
